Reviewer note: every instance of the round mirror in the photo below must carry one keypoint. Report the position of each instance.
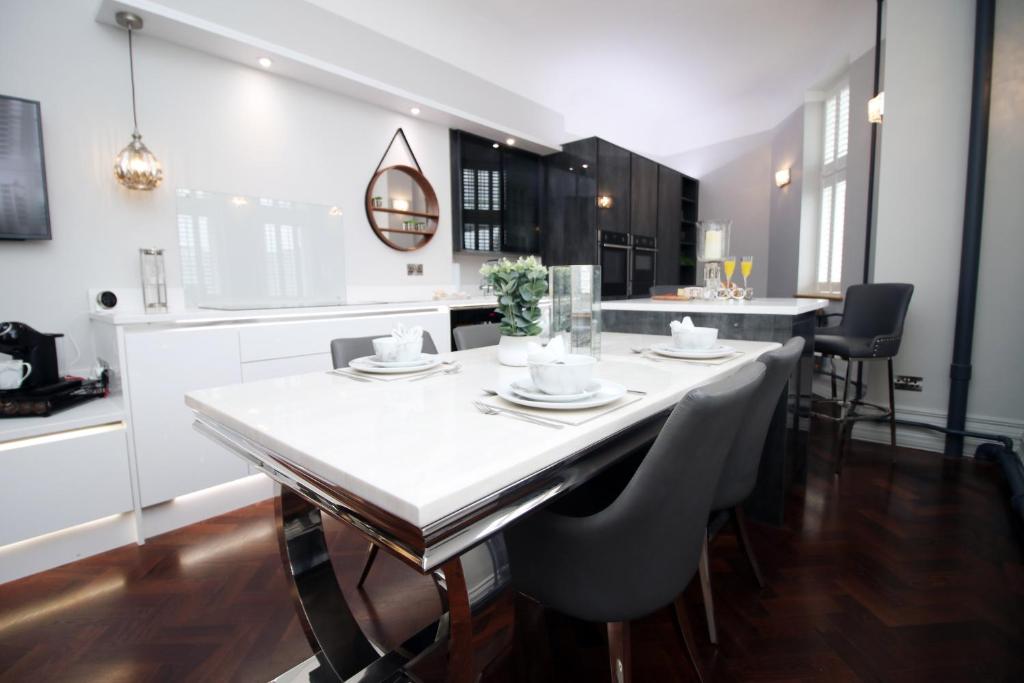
(402, 208)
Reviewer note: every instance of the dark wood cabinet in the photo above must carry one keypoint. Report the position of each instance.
(670, 216)
(496, 196)
(569, 236)
(643, 197)
(521, 221)
(613, 181)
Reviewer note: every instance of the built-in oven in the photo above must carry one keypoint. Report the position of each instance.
(645, 261)
(616, 262)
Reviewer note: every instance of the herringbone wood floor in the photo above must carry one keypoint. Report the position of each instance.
(909, 573)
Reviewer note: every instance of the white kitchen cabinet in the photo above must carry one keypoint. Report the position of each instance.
(61, 480)
(162, 365)
(282, 367)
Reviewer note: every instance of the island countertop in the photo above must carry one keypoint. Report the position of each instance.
(761, 306)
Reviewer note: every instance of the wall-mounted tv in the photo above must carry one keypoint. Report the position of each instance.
(24, 209)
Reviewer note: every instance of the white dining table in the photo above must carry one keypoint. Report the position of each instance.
(419, 470)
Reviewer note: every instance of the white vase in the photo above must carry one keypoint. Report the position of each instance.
(512, 350)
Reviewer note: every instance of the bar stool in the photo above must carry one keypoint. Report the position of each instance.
(344, 351)
(871, 328)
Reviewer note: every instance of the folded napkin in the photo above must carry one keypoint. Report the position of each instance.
(687, 324)
(401, 333)
(535, 353)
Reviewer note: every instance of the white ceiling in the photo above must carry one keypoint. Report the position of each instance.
(657, 76)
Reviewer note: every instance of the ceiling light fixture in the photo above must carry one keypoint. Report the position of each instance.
(265, 62)
(495, 145)
(510, 141)
(135, 167)
(876, 108)
(415, 111)
(585, 165)
(782, 177)
(605, 202)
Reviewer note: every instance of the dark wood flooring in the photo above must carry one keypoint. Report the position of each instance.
(909, 573)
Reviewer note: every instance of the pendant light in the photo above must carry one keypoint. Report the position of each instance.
(135, 167)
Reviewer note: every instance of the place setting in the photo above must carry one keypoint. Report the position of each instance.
(690, 344)
(398, 357)
(560, 382)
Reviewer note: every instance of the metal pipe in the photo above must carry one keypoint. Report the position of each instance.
(974, 205)
(873, 149)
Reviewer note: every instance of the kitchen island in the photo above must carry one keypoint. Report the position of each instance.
(765, 319)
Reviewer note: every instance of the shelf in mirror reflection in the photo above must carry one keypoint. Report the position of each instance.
(421, 214)
(408, 232)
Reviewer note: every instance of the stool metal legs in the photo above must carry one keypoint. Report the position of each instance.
(848, 414)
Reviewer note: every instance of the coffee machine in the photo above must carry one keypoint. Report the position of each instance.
(39, 349)
(44, 391)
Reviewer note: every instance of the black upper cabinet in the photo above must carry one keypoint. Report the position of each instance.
(496, 196)
(613, 181)
(670, 215)
(522, 173)
(570, 205)
(643, 213)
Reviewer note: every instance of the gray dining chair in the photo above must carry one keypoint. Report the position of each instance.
(639, 552)
(476, 336)
(870, 328)
(343, 351)
(739, 475)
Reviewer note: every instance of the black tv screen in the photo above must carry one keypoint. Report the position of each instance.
(24, 210)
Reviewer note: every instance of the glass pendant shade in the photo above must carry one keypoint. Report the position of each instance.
(136, 168)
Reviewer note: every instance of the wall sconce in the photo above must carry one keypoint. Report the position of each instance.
(400, 204)
(605, 202)
(876, 108)
(782, 177)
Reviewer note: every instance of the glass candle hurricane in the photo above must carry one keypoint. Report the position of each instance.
(154, 280)
(576, 308)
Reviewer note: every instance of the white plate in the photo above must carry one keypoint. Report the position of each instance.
(424, 359)
(364, 364)
(609, 393)
(528, 390)
(720, 351)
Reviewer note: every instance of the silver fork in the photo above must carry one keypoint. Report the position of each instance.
(453, 370)
(491, 410)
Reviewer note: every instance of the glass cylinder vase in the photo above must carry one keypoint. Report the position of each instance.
(576, 308)
(154, 280)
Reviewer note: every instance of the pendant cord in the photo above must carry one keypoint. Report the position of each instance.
(131, 68)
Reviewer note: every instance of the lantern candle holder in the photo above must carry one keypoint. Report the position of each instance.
(576, 308)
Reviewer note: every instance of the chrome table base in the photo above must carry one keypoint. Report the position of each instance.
(476, 629)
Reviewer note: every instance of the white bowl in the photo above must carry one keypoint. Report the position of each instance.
(570, 374)
(389, 349)
(695, 338)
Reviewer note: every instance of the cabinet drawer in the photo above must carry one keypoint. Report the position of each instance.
(283, 367)
(51, 484)
(287, 339)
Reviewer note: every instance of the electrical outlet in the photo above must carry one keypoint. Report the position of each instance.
(414, 269)
(908, 383)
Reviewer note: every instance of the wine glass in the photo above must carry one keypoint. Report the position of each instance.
(746, 266)
(730, 268)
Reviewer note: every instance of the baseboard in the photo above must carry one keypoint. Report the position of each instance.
(51, 550)
(195, 507)
(928, 440)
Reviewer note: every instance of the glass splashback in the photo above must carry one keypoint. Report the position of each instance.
(240, 252)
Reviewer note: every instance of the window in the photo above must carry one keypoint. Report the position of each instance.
(833, 189)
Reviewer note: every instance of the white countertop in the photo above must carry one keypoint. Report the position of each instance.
(99, 411)
(206, 316)
(420, 450)
(764, 306)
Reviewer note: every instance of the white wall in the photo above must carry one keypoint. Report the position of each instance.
(929, 53)
(214, 125)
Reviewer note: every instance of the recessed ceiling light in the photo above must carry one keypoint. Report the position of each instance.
(495, 145)
(265, 62)
(415, 111)
(510, 141)
(586, 165)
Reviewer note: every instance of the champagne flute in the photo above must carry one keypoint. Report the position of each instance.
(730, 268)
(746, 266)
